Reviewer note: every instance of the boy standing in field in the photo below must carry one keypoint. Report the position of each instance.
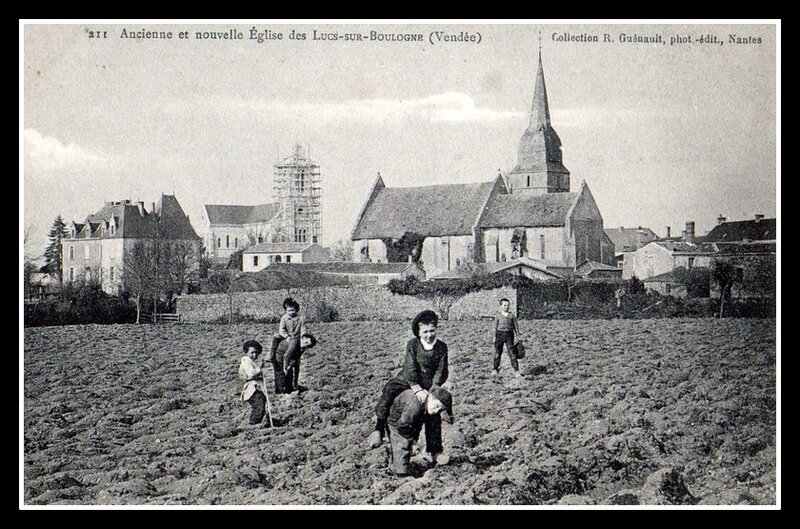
(505, 331)
(251, 372)
(286, 363)
(425, 367)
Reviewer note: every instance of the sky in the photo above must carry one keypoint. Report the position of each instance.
(662, 134)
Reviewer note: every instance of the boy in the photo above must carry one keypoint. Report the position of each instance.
(406, 418)
(504, 330)
(253, 375)
(286, 363)
(290, 328)
(424, 367)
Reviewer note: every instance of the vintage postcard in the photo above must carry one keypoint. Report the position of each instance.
(317, 263)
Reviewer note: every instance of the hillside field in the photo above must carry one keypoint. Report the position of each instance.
(120, 414)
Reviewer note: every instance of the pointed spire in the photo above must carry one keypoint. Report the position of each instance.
(540, 110)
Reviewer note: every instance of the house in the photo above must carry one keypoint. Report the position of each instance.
(356, 273)
(230, 228)
(757, 229)
(522, 266)
(627, 241)
(664, 255)
(262, 255)
(666, 284)
(748, 246)
(595, 270)
(528, 212)
(94, 249)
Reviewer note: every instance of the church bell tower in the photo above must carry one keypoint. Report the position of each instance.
(539, 169)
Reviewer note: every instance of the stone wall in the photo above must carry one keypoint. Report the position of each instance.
(350, 304)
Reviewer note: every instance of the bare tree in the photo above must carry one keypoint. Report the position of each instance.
(138, 272)
(182, 266)
(342, 250)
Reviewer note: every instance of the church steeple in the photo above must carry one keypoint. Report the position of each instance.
(540, 109)
(539, 168)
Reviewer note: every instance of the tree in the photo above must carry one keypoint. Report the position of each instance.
(182, 266)
(342, 251)
(724, 274)
(697, 281)
(204, 264)
(138, 272)
(236, 260)
(53, 255)
(28, 265)
(409, 245)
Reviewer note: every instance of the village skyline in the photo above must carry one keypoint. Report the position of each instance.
(688, 138)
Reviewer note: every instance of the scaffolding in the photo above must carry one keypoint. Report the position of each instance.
(297, 190)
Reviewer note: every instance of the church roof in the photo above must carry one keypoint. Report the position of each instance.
(233, 214)
(430, 211)
(527, 210)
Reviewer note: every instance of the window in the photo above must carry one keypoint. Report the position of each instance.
(227, 241)
(314, 238)
(691, 262)
(668, 288)
(541, 246)
(260, 239)
(219, 242)
(71, 255)
(277, 258)
(288, 258)
(71, 273)
(300, 235)
(111, 273)
(113, 229)
(236, 242)
(255, 260)
(529, 180)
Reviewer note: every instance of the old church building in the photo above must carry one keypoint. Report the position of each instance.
(527, 212)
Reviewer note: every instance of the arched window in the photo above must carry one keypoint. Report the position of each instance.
(277, 258)
(236, 242)
(227, 241)
(529, 180)
(541, 246)
(219, 242)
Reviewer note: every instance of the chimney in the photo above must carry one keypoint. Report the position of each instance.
(688, 235)
(759, 217)
(668, 232)
(720, 219)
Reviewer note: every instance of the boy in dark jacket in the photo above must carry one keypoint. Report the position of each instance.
(424, 367)
(286, 362)
(505, 331)
(407, 416)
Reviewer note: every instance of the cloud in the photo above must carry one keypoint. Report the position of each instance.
(607, 116)
(47, 153)
(448, 107)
